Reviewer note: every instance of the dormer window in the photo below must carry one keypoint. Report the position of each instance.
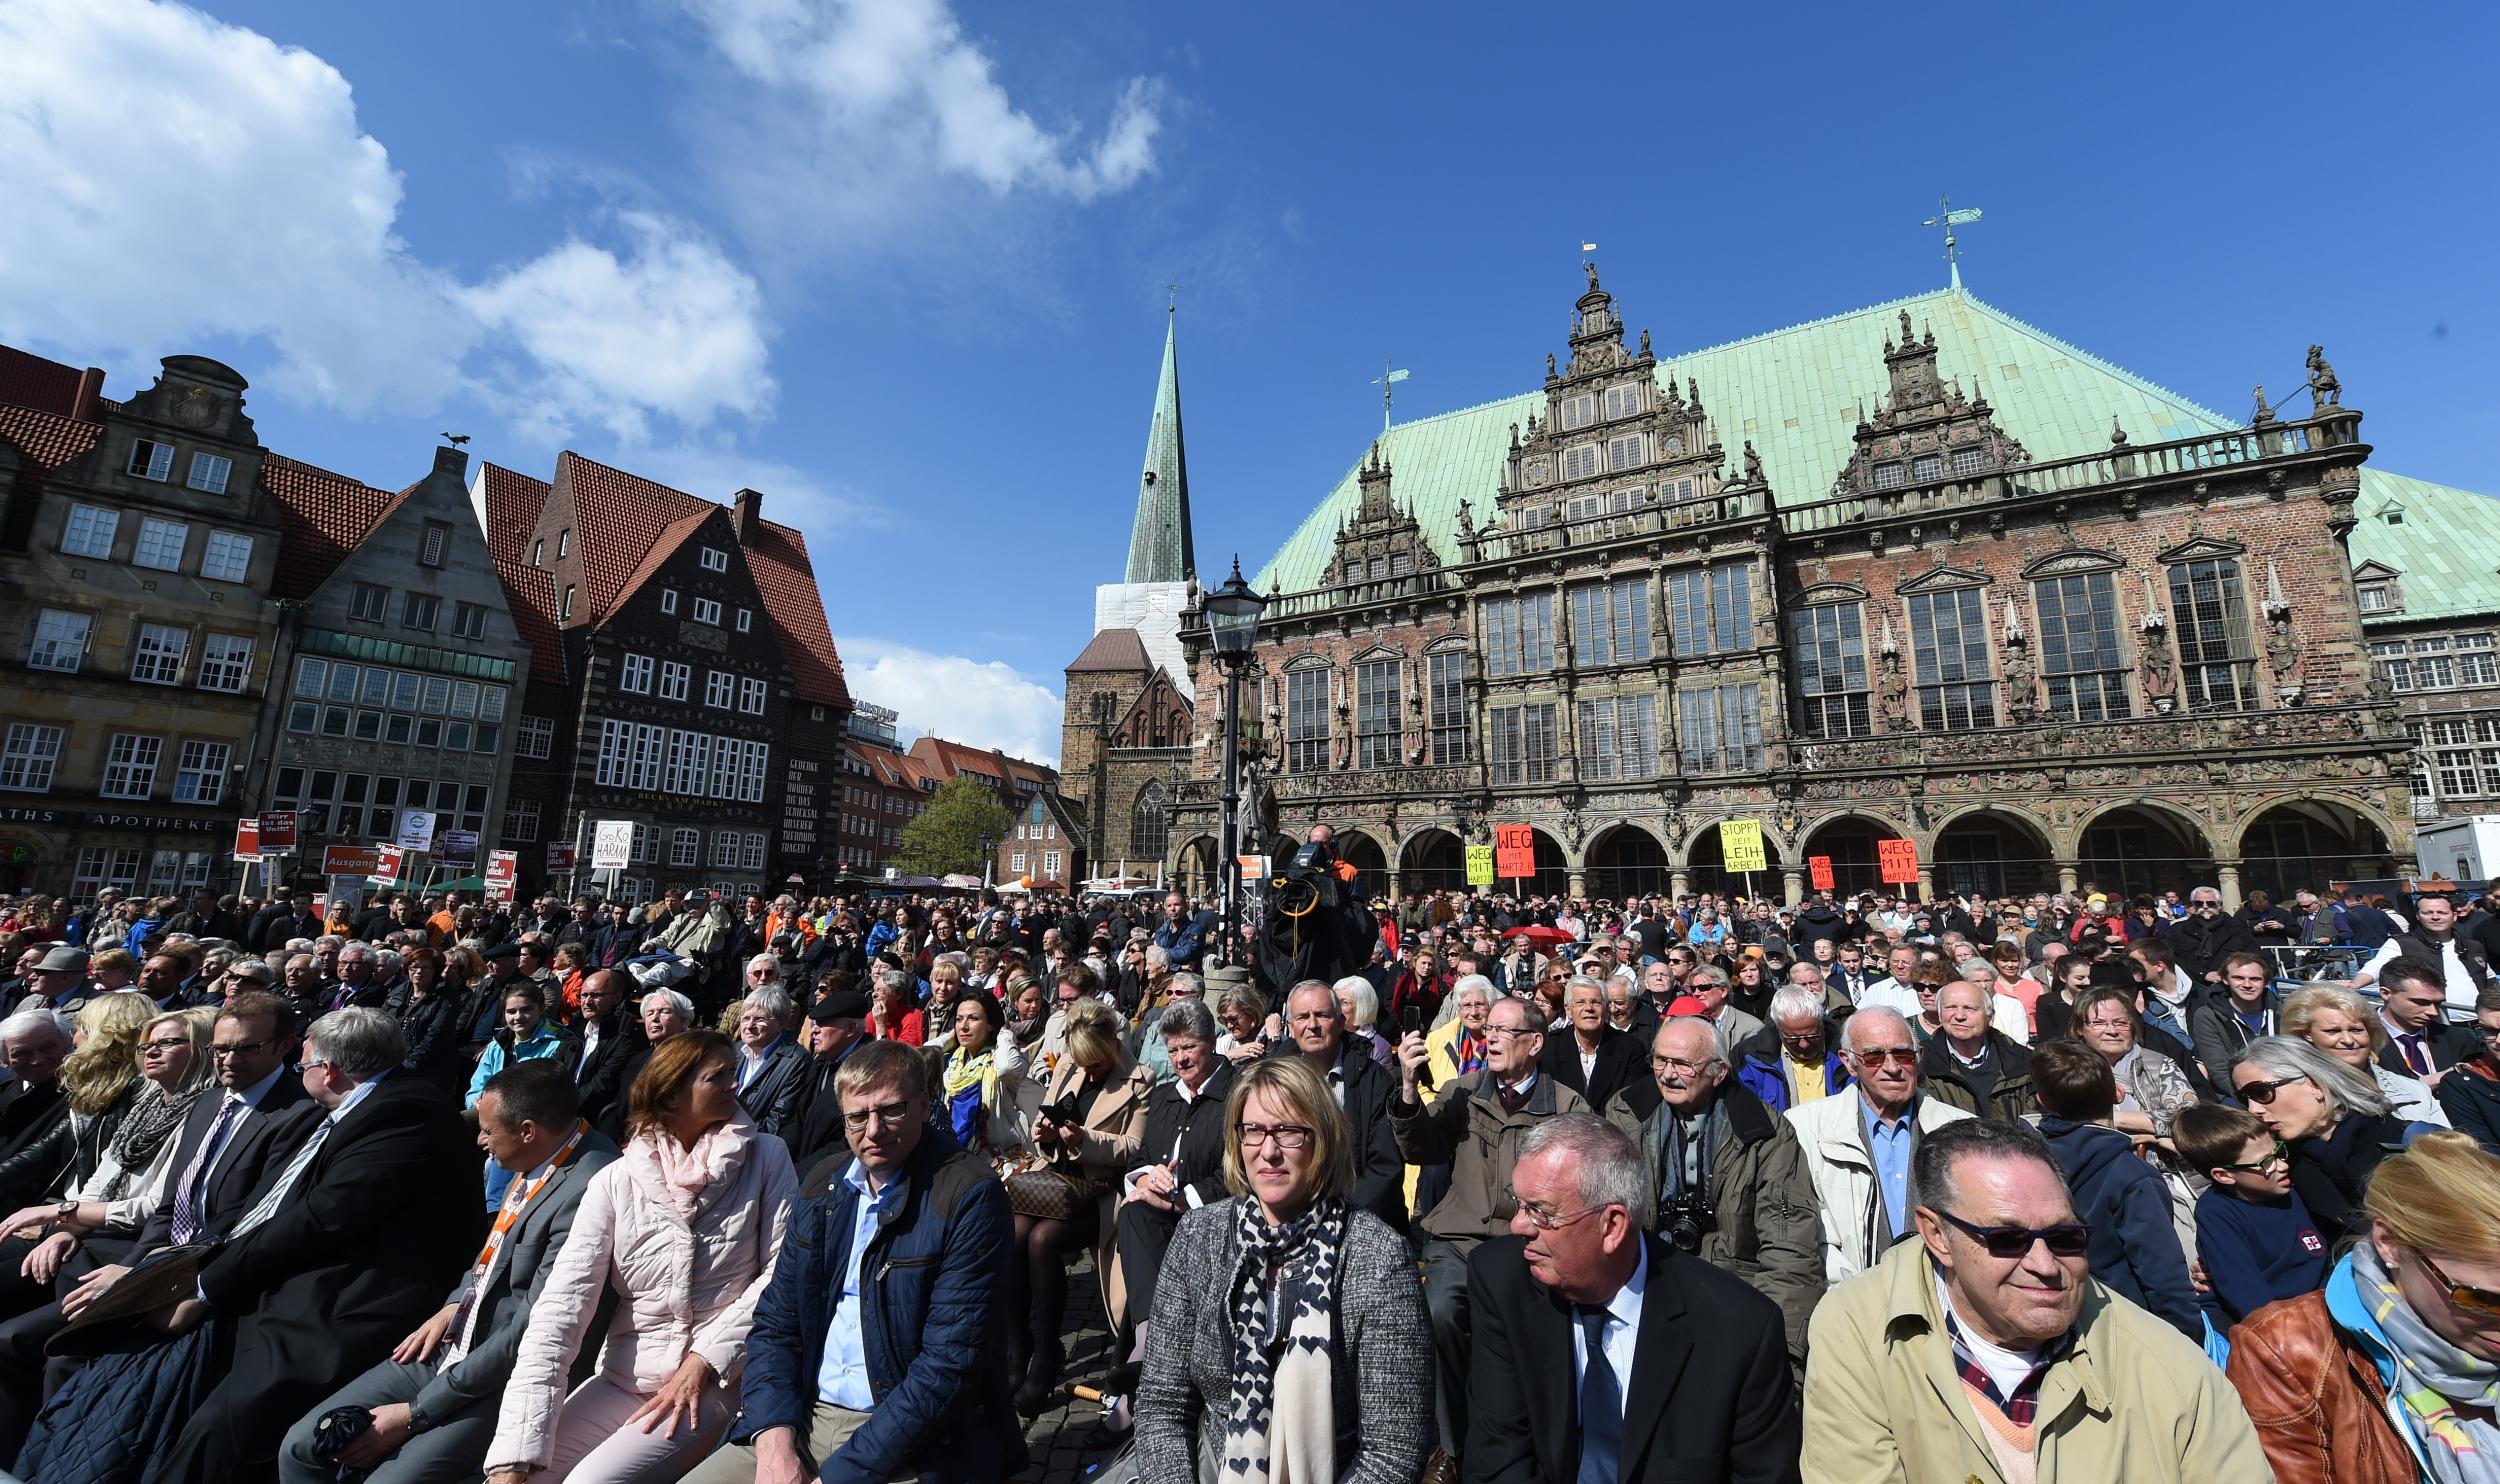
(1927, 468)
(2377, 597)
(715, 559)
(1888, 476)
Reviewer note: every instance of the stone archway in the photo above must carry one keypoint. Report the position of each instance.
(1704, 869)
(1850, 839)
(1193, 869)
(1553, 872)
(1994, 852)
(2142, 847)
(1366, 856)
(2310, 842)
(1624, 862)
(1432, 860)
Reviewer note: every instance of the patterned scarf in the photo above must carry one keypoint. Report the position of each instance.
(144, 1130)
(968, 1080)
(2432, 1377)
(1281, 1427)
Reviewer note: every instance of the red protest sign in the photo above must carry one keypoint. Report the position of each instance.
(1514, 850)
(247, 839)
(386, 864)
(1899, 859)
(348, 860)
(277, 831)
(1819, 867)
(501, 867)
(560, 858)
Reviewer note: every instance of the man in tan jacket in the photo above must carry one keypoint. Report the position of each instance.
(1984, 1351)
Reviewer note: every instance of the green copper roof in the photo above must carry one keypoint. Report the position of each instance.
(2444, 542)
(1796, 394)
(1159, 548)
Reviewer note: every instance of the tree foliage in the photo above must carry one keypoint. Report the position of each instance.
(946, 837)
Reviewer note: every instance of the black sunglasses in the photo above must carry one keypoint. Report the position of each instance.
(2066, 1240)
(2263, 1092)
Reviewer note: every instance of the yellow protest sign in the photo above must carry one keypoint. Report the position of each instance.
(1740, 845)
(1479, 865)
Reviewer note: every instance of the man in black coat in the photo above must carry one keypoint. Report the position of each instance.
(205, 918)
(1684, 1372)
(611, 1035)
(1180, 1159)
(1595, 1060)
(2200, 941)
(351, 1246)
(836, 1025)
(283, 919)
(1315, 1028)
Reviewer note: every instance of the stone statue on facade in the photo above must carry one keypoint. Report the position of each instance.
(1753, 464)
(2161, 677)
(2324, 389)
(2283, 653)
(2265, 412)
(1893, 695)
(1591, 270)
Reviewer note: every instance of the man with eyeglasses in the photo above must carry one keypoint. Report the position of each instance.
(1858, 1149)
(1728, 1173)
(1605, 1354)
(240, 1131)
(1474, 1126)
(2056, 1378)
(878, 1350)
(2207, 936)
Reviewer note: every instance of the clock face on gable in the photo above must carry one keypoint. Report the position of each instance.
(196, 408)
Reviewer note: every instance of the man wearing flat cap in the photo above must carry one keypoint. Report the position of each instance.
(836, 1024)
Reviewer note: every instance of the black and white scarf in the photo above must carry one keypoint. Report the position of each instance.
(154, 1115)
(1281, 1427)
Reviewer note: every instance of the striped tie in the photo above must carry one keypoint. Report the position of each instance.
(287, 1177)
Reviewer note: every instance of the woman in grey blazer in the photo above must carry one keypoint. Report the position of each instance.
(1288, 1333)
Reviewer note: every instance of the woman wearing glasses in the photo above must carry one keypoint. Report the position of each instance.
(2337, 1125)
(1288, 1337)
(2346, 1027)
(2151, 1087)
(684, 1228)
(2393, 1371)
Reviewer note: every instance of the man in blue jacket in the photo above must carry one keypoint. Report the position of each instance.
(1183, 934)
(2134, 1249)
(879, 1348)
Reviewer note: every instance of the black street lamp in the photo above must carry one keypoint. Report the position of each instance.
(1233, 623)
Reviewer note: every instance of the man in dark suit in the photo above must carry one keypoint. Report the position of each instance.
(836, 1024)
(433, 1401)
(1595, 1060)
(769, 1062)
(1588, 1330)
(1315, 1028)
(2419, 1043)
(356, 1236)
(611, 1035)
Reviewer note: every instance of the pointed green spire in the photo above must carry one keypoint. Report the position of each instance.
(1159, 548)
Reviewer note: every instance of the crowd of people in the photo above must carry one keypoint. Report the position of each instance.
(417, 1188)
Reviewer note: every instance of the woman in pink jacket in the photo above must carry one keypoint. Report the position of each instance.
(684, 1228)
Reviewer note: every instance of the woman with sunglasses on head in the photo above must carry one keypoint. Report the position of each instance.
(1288, 1338)
(2334, 1121)
(2392, 1372)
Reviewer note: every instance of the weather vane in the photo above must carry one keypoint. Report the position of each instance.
(1390, 375)
(1948, 219)
(1173, 306)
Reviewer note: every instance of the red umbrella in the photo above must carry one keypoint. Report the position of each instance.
(1540, 936)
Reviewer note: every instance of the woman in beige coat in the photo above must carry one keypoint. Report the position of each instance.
(1093, 1148)
(684, 1228)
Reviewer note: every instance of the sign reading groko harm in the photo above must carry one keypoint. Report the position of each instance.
(612, 845)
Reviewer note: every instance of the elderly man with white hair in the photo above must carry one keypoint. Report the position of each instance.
(1858, 1147)
(770, 1063)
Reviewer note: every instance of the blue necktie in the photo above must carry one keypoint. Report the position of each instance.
(1601, 1404)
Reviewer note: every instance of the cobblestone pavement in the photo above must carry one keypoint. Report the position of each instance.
(1054, 1437)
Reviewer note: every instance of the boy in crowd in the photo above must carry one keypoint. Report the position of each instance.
(2254, 1238)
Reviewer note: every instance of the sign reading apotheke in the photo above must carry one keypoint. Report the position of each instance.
(99, 819)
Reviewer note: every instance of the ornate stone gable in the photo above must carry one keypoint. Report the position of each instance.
(1925, 431)
(1382, 540)
(1159, 717)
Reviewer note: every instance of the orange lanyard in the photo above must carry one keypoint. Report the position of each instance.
(520, 1198)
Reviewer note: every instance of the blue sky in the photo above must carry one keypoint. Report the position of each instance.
(902, 266)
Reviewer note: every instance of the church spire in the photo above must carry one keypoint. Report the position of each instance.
(1159, 548)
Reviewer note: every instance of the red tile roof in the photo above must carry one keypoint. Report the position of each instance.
(944, 760)
(627, 525)
(46, 439)
(512, 504)
(1113, 649)
(322, 517)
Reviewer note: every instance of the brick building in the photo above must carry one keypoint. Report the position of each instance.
(1038, 845)
(2430, 603)
(883, 788)
(138, 540)
(698, 694)
(401, 662)
(1919, 571)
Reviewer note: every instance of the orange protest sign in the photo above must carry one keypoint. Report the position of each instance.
(1514, 850)
(1819, 867)
(1899, 859)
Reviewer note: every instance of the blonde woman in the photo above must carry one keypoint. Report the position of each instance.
(2346, 1027)
(99, 1083)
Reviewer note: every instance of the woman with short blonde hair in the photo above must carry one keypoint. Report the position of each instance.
(2347, 1027)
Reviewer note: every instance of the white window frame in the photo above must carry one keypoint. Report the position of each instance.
(200, 772)
(89, 531)
(520, 821)
(715, 559)
(158, 652)
(209, 473)
(60, 642)
(153, 534)
(227, 557)
(130, 763)
(719, 689)
(225, 662)
(668, 600)
(537, 738)
(30, 755)
(674, 675)
(150, 459)
(707, 610)
(685, 848)
(752, 696)
(746, 620)
(634, 676)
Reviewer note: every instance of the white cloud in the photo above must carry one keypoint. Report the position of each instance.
(173, 180)
(981, 703)
(864, 112)
(793, 495)
(671, 325)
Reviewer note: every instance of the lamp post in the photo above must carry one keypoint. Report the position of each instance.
(989, 855)
(1233, 623)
